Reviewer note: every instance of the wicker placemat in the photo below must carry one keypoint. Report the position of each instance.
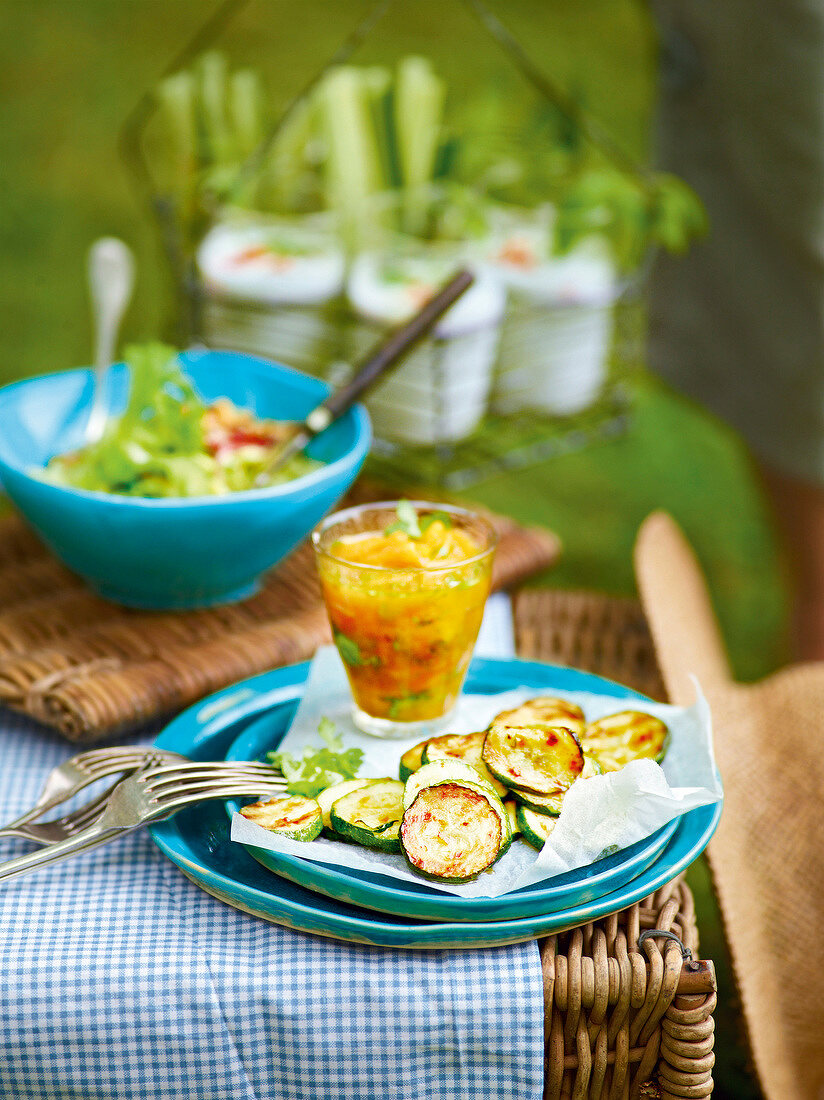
(92, 669)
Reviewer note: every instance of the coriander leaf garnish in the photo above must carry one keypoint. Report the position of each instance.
(328, 733)
(316, 769)
(350, 651)
(407, 521)
(435, 517)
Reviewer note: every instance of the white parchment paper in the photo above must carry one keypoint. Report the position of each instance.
(600, 815)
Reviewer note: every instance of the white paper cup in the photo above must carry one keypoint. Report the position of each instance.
(268, 284)
(273, 262)
(440, 391)
(553, 358)
(557, 335)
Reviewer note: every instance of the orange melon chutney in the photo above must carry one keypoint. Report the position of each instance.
(405, 613)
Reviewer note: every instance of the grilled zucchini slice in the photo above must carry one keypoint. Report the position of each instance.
(553, 803)
(630, 735)
(297, 818)
(327, 797)
(451, 832)
(540, 759)
(535, 827)
(462, 746)
(371, 815)
(411, 760)
(449, 770)
(544, 710)
(511, 807)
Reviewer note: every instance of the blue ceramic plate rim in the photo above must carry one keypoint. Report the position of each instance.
(358, 451)
(194, 730)
(420, 901)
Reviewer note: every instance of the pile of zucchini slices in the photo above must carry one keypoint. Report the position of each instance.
(462, 798)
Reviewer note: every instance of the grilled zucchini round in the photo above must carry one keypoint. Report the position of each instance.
(371, 815)
(411, 760)
(295, 817)
(539, 759)
(630, 735)
(544, 710)
(535, 827)
(449, 770)
(330, 795)
(451, 832)
(552, 804)
(462, 746)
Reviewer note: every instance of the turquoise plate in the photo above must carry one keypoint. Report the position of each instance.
(197, 839)
(389, 895)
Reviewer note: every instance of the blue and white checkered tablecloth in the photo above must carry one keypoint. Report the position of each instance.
(119, 978)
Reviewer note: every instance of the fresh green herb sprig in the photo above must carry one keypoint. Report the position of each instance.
(316, 769)
(350, 651)
(630, 214)
(411, 524)
(407, 521)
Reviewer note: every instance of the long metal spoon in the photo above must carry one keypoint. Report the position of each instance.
(111, 278)
(379, 360)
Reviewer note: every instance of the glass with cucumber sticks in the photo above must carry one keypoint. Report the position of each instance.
(405, 585)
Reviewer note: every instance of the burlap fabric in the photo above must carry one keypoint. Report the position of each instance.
(767, 858)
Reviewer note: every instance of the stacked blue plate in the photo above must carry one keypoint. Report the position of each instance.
(248, 719)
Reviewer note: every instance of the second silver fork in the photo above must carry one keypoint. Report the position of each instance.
(153, 796)
(62, 828)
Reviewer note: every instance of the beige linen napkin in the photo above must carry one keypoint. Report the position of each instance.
(767, 858)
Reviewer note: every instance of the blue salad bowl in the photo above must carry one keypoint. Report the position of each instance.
(173, 552)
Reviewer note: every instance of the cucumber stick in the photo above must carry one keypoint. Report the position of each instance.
(353, 163)
(418, 114)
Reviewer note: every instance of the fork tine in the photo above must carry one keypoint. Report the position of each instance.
(246, 766)
(197, 784)
(197, 787)
(78, 772)
(93, 758)
(84, 815)
(211, 793)
(157, 779)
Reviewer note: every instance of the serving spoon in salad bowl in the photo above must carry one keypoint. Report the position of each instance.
(111, 278)
(388, 352)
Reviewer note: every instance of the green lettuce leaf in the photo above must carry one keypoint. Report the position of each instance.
(316, 769)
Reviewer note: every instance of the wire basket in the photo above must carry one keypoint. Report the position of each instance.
(537, 357)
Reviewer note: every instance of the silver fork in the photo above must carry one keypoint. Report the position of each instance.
(77, 773)
(51, 832)
(147, 797)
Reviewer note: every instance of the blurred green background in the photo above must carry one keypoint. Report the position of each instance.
(71, 71)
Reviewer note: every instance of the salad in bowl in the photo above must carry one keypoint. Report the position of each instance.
(169, 442)
(164, 511)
